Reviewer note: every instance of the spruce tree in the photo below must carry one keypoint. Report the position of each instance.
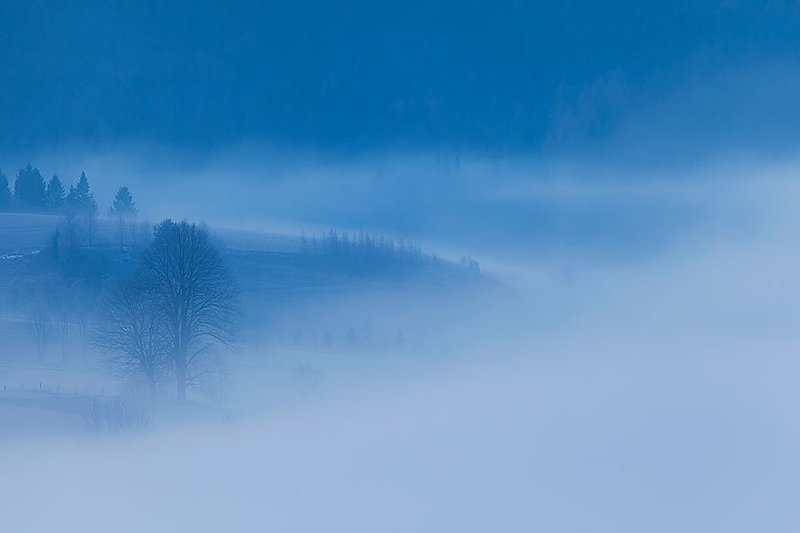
(80, 199)
(123, 207)
(81, 209)
(85, 196)
(29, 189)
(5, 193)
(54, 194)
(71, 202)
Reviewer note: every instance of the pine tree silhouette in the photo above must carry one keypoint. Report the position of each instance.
(29, 189)
(123, 206)
(54, 195)
(5, 193)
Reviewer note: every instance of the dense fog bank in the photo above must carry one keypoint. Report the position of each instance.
(651, 394)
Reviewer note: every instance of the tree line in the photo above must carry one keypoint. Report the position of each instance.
(31, 193)
(365, 252)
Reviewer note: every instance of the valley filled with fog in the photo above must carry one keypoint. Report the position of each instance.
(355, 266)
(576, 388)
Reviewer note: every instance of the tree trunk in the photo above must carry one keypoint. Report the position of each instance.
(151, 382)
(180, 377)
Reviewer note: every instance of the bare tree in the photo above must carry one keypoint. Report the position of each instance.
(195, 296)
(132, 333)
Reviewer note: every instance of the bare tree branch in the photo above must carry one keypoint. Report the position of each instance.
(195, 297)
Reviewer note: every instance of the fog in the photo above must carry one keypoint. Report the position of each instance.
(311, 267)
(588, 390)
(448, 200)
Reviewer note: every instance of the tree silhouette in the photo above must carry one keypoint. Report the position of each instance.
(123, 207)
(80, 209)
(5, 193)
(80, 200)
(54, 195)
(132, 333)
(29, 189)
(195, 296)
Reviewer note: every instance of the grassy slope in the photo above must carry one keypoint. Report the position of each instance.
(284, 293)
(272, 273)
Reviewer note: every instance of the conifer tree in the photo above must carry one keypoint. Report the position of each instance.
(29, 189)
(5, 193)
(71, 202)
(54, 194)
(80, 199)
(81, 208)
(123, 207)
(84, 197)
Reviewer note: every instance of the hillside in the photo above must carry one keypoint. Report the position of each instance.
(344, 288)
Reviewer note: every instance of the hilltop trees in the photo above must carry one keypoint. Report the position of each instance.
(366, 253)
(31, 194)
(80, 200)
(29, 189)
(5, 193)
(183, 302)
(54, 195)
(80, 209)
(123, 207)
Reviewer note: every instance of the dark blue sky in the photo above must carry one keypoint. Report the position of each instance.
(362, 75)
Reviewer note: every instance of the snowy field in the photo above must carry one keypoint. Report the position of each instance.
(24, 233)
